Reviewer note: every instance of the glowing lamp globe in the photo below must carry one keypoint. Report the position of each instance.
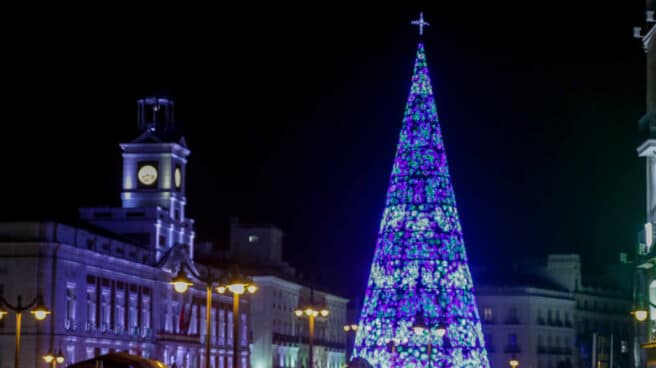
(354, 327)
(48, 358)
(298, 312)
(324, 312)
(513, 362)
(60, 359)
(3, 313)
(40, 312)
(252, 289)
(221, 289)
(641, 315)
(237, 288)
(181, 282)
(347, 328)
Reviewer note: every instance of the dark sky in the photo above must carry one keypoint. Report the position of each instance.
(293, 114)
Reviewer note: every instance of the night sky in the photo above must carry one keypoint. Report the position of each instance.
(293, 115)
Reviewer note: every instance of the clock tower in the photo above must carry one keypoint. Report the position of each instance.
(153, 183)
(154, 164)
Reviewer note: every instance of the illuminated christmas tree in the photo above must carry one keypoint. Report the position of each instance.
(419, 274)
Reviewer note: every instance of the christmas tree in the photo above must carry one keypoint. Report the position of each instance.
(419, 276)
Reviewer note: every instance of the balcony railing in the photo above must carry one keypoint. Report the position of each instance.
(71, 324)
(294, 340)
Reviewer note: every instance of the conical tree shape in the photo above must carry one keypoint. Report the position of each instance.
(419, 273)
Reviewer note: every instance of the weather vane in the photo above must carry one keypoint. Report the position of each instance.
(421, 23)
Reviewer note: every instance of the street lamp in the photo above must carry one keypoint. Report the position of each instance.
(50, 358)
(37, 309)
(513, 362)
(640, 314)
(311, 311)
(347, 329)
(181, 282)
(237, 286)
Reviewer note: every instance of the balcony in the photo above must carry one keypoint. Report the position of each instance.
(284, 339)
(90, 326)
(71, 325)
(179, 337)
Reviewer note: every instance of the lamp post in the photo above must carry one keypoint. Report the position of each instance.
(513, 362)
(53, 359)
(347, 329)
(233, 282)
(237, 284)
(311, 311)
(36, 308)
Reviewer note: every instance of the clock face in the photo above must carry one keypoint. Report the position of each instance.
(177, 176)
(147, 175)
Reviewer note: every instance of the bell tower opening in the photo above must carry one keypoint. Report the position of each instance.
(156, 114)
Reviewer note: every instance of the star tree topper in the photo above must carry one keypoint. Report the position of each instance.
(421, 23)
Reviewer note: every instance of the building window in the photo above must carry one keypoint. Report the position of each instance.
(91, 307)
(512, 339)
(70, 353)
(71, 301)
(222, 323)
(119, 312)
(132, 311)
(193, 321)
(244, 330)
(105, 310)
(512, 318)
(145, 312)
(230, 338)
(488, 342)
(487, 314)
